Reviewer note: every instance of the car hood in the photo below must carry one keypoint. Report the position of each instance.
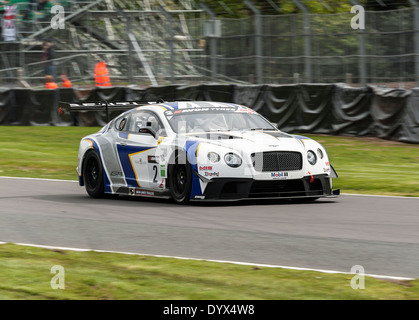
(250, 141)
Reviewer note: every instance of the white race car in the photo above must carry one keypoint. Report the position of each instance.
(199, 150)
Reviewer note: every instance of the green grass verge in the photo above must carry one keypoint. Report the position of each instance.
(25, 273)
(373, 166)
(364, 165)
(40, 152)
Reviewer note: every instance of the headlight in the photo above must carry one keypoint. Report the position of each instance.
(320, 153)
(213, 157)
(311, 157)
(233, 160)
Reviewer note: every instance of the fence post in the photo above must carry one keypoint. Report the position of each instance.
(258, 42)
(362, 67)
(307, 40)
(171, 44)
(213, 41)
(416, 38)
(361, 47)
(130, 64)
(22, 58)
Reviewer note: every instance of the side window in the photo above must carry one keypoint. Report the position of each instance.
(146, 119)
(121, 124)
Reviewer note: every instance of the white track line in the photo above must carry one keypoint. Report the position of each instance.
(377, 195)
(212, 260)
(37, 179)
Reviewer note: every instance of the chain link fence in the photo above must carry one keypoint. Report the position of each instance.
(334, 52)
(159, 46)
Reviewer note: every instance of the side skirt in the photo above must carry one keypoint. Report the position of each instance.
(143, 192)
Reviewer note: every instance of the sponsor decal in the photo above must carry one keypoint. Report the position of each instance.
(152, 159)
(209, 168)
(140, 192)
(169, 113)
(211, 174)
(162, 171)
(116, 174)
(245, 109)
(279, 175)
(327, 168)
(199, 197)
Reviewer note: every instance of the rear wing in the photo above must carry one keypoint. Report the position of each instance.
(65, 108)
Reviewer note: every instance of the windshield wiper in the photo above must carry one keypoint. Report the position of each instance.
(263, 129)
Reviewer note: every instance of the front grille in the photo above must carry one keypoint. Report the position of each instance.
(277, 161)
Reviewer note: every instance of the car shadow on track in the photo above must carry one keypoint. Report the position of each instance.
(264, 202)
(115, 200)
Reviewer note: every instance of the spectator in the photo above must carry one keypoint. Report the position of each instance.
(43, 10)
(49, 82)
(65, 82)
(20, 79)
(27, 16)
(9, 27)
(1, 20)
(102, 75)
(47, 57)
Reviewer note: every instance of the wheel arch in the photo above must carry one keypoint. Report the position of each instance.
(189, 149)
(98, 188)
(83, 163)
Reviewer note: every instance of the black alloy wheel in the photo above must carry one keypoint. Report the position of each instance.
(93, 175)
(180, 179)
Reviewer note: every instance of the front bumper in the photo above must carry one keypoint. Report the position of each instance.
(246, 188)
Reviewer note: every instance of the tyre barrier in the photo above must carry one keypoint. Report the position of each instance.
(334, 109)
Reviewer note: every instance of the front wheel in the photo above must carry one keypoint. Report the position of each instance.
(93, 175)
(180, 179)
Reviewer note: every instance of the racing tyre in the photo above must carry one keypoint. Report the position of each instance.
(180, 178)
(93, 175)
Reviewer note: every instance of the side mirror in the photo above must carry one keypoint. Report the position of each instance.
(147, 131)
(275, 125)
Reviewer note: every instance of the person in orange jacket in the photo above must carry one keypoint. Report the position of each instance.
(65, 82)
(102, 75)
(49, 82)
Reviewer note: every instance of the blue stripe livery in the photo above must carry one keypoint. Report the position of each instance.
(124, 153)
(191, 148)
(105, 176)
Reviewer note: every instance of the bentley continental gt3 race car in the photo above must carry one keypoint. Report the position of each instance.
(199, 150)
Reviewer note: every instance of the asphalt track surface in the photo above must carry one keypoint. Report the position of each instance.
(379, 233)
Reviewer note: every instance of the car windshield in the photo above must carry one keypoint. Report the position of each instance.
(196, 120)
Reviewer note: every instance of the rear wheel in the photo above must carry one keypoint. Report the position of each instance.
(93, 175)
(180, 178)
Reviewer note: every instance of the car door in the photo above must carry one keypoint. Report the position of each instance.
(136, 146)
